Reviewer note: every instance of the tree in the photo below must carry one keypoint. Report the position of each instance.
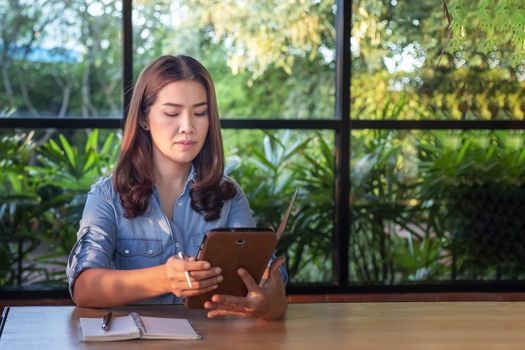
(489, 26)
(21, 24)
(61, 65)
(269, 33)
(396, 55)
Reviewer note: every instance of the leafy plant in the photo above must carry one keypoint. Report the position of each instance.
(478, 184)
(393, 237)
(42, 203)
(269, 174)
(16, 192)
(310, 242)
(499, 23)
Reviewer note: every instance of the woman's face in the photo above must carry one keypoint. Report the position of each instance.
(178, 122)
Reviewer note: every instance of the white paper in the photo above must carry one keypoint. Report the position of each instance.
(120, 328)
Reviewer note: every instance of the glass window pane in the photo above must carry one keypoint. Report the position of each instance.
(434, 206)
(60, 59)
(269, 167)
(270, 60)
(399, 72)
(42, 196)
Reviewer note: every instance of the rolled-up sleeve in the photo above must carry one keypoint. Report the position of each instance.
(95, 238)
(282, 270)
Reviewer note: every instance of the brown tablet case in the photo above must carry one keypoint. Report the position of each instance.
(232, 248)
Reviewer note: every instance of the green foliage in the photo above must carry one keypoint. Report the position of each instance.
(467, 159)
(392, 238)
(262, 39)
(39, 80)
(41, 204)
(408, 191)
(490, 25)
(478, 185)
(269, 174)
(15, 192)
(74, 169)
(436, 205)
(273, 59)
(397, 50)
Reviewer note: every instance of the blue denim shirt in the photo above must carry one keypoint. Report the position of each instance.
(106, 239)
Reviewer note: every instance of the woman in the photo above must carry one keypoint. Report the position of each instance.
(168, 189)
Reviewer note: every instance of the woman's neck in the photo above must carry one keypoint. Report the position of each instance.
(170, 179)
(170, 175)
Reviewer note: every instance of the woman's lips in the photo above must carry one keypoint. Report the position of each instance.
(185, 144)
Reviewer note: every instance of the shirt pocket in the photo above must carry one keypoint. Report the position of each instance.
(138, 253)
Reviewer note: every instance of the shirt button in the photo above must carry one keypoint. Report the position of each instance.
(150, 252)
(177, 244)
(126, 251)
(85, 230)
(179, 203)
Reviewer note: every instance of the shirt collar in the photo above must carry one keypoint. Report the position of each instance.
(193, 174)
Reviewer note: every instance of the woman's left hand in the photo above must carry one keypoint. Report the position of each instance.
(267, 301)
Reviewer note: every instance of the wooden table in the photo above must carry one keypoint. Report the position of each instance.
(431, 325)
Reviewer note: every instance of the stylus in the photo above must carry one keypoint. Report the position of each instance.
(186, 273)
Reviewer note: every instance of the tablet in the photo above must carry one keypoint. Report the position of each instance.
(231, 248)
(249, 248)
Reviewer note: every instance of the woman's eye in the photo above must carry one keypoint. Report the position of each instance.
(172, 114)
(201, 114)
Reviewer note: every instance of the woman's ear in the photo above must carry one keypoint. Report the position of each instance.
(144, 124)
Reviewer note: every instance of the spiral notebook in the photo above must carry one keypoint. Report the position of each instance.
(135, 326)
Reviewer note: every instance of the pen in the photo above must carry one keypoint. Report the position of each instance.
(185, 272)
(105, 321)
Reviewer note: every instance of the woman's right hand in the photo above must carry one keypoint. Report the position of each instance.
(204, 278)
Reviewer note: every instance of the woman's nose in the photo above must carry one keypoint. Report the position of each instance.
(186, 124)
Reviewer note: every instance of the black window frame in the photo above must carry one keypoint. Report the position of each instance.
(342, 126)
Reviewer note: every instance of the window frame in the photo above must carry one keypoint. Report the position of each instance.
(342, 126)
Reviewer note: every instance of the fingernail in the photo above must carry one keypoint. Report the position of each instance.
(207, 265)
(219, 278)
(217, 270)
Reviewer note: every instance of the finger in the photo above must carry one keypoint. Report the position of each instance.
(272, 271)
(184, 293)
(204, 274)
(178, 264)
(248, 280)
(196, 265)
(209, 305)
(230, 301)
(215, 280)
(193, 292)
(277, 263)
(178, 285)
(217, 313)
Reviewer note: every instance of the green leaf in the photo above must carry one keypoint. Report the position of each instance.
(71, 154)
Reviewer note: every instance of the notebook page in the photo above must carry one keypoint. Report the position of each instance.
(168, 328)
(121, 328)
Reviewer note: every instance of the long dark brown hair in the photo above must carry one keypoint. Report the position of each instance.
(134, 178)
